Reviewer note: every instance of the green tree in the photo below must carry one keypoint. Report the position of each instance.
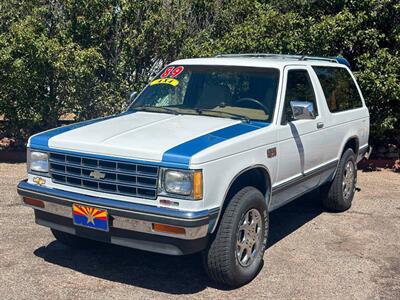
(42, 71)
(84, 57)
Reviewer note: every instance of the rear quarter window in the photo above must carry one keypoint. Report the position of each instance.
(339, 88)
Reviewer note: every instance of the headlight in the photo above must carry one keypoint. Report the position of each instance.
(38, 162)
(185, 183)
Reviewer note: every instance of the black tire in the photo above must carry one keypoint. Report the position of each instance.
(333, 196)
(71, 240)
(219, 259)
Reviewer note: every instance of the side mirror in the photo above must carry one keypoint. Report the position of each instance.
(302, 110)
(131, 98)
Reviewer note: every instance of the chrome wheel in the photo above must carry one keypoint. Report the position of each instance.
(249, 237)
(348, 180)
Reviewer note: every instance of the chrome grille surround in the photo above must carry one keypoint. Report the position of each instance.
(104, 175)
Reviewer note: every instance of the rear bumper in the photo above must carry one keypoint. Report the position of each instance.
(130, 224)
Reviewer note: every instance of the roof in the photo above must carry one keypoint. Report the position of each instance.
(264, 60)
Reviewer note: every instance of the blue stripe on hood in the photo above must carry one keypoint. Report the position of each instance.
(41, 140)
(182, 153)
(178, 156)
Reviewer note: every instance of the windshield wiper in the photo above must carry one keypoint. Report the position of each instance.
(156, 109)
(201, 111)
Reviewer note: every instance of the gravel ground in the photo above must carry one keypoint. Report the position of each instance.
(312, 254)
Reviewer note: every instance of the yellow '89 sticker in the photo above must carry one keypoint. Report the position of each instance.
(170, 81)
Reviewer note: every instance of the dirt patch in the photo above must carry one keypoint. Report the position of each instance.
(312, 254)
(388, 278)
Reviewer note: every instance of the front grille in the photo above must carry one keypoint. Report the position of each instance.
(108, 176)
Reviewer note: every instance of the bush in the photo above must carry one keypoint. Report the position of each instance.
(84, 57)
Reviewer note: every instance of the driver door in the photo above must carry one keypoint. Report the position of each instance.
(299, 140)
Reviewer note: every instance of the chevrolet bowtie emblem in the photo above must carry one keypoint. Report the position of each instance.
(97, 175)
(39, 180)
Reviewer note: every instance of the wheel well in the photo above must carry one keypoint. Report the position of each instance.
(352, 143)
(257, 177)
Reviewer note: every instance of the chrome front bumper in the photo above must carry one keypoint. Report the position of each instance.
(130, 224)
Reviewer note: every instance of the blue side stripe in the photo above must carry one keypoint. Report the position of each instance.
(41, 141)
(182, 153)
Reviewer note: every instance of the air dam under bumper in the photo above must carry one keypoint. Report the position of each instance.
(130, 224)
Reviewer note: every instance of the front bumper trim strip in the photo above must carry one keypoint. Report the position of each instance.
(191, 233)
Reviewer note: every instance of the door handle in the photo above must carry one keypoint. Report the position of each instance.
(320, 125)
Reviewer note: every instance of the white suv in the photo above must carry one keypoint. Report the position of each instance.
(200, 158)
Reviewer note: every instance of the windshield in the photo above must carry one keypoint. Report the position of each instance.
(247, 93)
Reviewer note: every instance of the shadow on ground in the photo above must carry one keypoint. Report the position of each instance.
(168, 274)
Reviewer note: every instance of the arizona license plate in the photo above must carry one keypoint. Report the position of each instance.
(90, 217)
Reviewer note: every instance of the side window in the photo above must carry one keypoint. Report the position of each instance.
(339, 88)
(298, 88)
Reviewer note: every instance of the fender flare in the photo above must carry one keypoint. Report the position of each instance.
(267, 195)
(342, 150)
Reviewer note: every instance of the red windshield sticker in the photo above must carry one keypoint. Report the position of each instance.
(166, 72)
(176, 71)
(172, 71)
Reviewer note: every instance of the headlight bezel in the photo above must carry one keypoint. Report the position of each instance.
(196, 182)
(40, 163)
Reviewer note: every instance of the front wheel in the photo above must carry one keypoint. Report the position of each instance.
(235, 255)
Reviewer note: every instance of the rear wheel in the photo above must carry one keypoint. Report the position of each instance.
(338, 194)
(235, 255)
(71, 240)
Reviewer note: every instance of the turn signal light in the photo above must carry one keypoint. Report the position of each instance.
(168, 229)
(33, 202)
(197, 185)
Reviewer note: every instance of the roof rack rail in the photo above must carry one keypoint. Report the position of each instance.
(338, 59)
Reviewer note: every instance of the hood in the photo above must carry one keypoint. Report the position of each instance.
(147, 136)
